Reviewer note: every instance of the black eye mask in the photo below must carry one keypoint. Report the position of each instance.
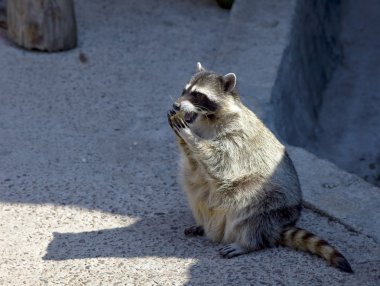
(201, 101)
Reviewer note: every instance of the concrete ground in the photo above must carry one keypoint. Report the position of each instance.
(88, 189)
(349, 132)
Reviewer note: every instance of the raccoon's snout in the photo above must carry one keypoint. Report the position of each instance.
(176, 106)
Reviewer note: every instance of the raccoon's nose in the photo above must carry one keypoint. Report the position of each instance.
(176, 106)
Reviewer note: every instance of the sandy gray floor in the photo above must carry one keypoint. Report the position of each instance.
(88, 191)
(350, 115)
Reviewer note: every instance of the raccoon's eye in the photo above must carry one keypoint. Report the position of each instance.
(197, 94)
(183, 91)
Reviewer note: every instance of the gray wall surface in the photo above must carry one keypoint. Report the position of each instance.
(311, 56)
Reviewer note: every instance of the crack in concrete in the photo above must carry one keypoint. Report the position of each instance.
(320, 212)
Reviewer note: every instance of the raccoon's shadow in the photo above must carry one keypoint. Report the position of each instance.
(160, 235)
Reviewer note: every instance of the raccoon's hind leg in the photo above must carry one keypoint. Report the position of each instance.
(232, 250)
(195, 230)
(258, 231)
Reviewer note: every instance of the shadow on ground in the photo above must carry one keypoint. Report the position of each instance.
(95, 137)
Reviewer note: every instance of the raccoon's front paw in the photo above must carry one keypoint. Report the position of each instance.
(182, 129)
(195, 230)
(171, 115)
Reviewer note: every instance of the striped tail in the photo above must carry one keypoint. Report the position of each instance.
(300, 239)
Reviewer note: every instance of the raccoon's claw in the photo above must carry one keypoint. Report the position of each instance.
(172, 112)
(195, 230)
(182, 123)
(170, 115)
(179, 125)
(232, 250)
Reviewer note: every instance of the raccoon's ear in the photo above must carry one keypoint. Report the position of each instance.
(229, 81)
(199, 67)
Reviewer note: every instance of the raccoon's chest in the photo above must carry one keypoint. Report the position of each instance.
(199, 190)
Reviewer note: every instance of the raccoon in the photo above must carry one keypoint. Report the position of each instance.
(241, 184)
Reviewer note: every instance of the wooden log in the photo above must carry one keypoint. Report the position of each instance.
(46, 25)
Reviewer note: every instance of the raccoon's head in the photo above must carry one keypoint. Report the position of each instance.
(207, 94)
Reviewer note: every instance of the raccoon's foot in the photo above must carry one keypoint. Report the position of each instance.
(232, 250)
(195, 230)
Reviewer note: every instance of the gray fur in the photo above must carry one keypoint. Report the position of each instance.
(241, 185)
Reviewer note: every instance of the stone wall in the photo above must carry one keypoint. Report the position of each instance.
(308, 61)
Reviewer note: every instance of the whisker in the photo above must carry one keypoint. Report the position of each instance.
(201, 108)
(208, 119)
(171, 97)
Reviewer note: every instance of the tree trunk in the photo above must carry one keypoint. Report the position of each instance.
(46, 25)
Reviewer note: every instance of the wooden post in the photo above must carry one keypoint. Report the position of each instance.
(46, 25)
